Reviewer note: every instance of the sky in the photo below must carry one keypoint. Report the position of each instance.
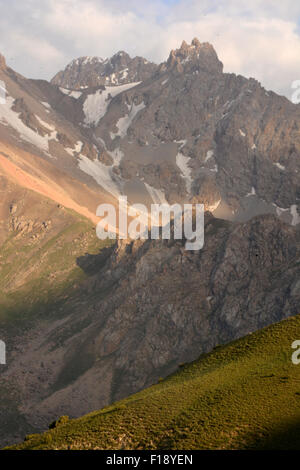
(259, 39)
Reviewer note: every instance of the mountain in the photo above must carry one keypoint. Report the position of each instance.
(44, 150)
(241, 396)
(43, 134)
(143, 309)
(92, 72)
(195, 133)
(182, 131)
(87, 322)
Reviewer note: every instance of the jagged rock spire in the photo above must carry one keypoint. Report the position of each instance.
(201, 56)
(2, 62)
(196, 42)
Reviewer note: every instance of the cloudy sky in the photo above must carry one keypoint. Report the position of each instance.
(262, 40)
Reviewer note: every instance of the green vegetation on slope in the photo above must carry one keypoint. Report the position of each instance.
(37, 272)
(242, 395)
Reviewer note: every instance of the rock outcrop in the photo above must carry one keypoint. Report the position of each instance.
(194, 57)
(2, 62)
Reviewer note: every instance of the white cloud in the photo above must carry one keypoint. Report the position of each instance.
(260, 40)
(41, 50)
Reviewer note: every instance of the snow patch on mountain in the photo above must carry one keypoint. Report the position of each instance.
(280, 210)
(77, 148)
(96, 104)
(124, 123)
(11, 118)
(101, 174)
(45, 124)
(181, 142)
(186, 171)
(124, 73)
(252, 193)
(292, 210)
(281, 167)
(47, 105)
(157, 196)
(209, 155)
(73, 94)
(215, 169)
(295, 215)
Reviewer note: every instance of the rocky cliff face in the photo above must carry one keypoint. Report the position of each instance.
(196, 133)
(91, 72)
(189, 58)
(148, 307)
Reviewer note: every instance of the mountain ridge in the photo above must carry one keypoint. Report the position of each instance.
(89, 72)
(188, 132)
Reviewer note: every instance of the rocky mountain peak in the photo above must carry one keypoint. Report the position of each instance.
(86, 60)
(121, 55)
(196, 42)
(197, 55)
(184, 46)
(119, 69)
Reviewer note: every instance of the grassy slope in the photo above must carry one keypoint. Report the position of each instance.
(38, 272)
(243, 395)
(46, 270)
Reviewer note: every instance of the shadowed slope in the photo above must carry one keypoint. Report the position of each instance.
(243, 395)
